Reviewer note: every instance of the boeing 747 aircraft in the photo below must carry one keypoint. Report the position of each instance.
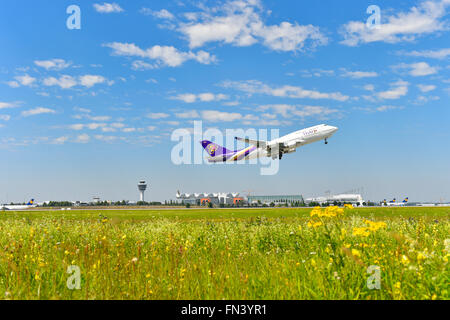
(18, 207)
(275, 148)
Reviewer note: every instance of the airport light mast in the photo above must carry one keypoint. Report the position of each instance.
(142, 186)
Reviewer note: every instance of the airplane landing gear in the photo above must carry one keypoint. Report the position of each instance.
(280, 155)
(326, 141)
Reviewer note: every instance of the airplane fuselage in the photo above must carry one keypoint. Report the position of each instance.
(16, 207)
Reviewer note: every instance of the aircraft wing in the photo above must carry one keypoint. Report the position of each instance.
(257, 143)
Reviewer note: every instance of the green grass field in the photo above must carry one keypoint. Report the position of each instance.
(226, 254)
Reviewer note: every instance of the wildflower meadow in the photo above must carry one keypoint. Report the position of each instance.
(280, 253)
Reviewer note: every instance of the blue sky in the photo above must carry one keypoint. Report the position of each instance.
(89, 112)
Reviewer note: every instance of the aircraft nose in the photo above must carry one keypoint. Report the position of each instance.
(334, 129)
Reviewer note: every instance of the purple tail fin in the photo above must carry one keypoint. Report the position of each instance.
(214, 149)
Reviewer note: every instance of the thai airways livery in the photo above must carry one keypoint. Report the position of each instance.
(274, 149)
(394, 203)
(29, 205)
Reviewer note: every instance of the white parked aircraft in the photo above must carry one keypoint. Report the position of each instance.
(18, 206)
(394, 203)
(275, 148)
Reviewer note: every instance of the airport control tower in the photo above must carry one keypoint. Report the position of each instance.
(142, 186)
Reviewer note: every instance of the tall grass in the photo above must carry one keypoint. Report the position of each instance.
(149, 256)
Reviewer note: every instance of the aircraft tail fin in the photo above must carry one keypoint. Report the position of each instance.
(406, 200)
(214, 149)
(31, 202)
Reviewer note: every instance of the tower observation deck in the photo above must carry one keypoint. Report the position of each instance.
(142, 186)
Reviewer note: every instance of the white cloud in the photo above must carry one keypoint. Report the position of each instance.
(8, 105)
(151, 80)
(399, 89)
(387, 108)
(204, 97)
(187, 115)
(37, 111)
(13, 84)
(434, 54)
(95, 126)
(426, 88)
(84, 110)
(157, 115)
(218, 116)
(254, 86)
(163, 55)
(91, 80)
(418, 69)
(269, 116)
(140, 65)
(404, 26)
(316, 73)
(423, 99)
(53, 64)
(83, 138)
(162, 14)
(240, 23)
(108, 7)
(369, 87)
(67, 82)
(231, 103)
(60, 140)
(117, 125)
(107, 139)
(359, 74)
(310, 111)
(77, 126)
(288, 111)
(151, 128)
(64, 82)
(5, 117)
(25, 80)
(128, 130)
(173, 123)
(187, 97)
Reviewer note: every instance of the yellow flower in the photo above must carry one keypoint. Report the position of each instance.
(364, 232)
(405, 260)
(317, 224)
(420, 256)
(356, 253)
(397, 285)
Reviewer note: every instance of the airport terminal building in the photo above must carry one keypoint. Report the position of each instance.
(281, 199)
(214, 198)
